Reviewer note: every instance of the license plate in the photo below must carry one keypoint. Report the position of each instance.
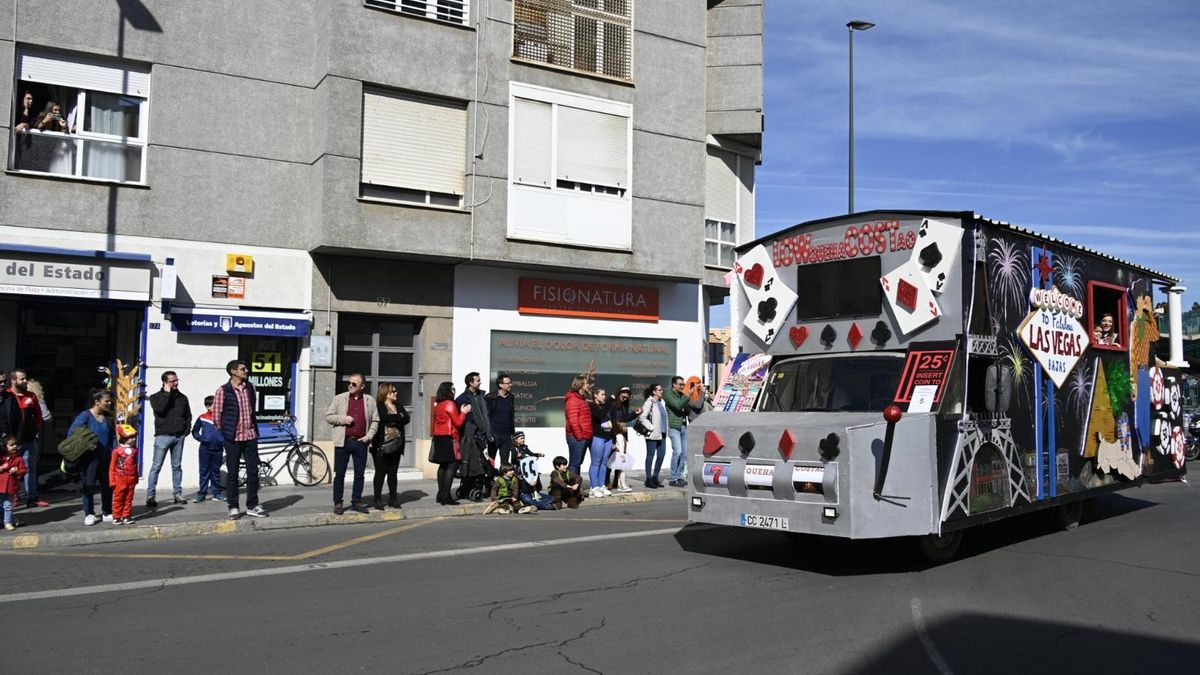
(764, 522)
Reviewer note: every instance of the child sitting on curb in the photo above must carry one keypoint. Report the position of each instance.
(565, 486)
(504, 493)
(527, 472)
(12, 470)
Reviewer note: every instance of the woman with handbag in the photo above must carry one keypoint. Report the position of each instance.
(445, 450)
(94, 464)
(652, 424)
(388, 445)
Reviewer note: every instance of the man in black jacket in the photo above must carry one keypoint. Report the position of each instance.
(172, 422)
(502, 414)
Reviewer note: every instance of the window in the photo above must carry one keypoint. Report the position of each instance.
(80, 116)
(728, 205)
(841, 288)
(570, 162)
(452, 11)
(413, 149)
(1107, 316)
(720, 207)
(829, 384)
(587, 35)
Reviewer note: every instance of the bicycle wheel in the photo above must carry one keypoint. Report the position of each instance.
(308, 464)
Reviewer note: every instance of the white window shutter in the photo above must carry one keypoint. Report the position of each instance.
(721, 186)
(532, 142)
(414, 143)
(84, 72)
(746, 201)
(593, 147)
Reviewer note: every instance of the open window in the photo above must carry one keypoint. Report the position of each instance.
(1107, 310)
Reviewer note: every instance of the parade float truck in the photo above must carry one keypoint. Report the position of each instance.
(904, 373)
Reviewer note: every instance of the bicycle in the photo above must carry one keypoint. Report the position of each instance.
(306, 463)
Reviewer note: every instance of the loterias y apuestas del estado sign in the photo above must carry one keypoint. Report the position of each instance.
(240, 324)
(567, 297)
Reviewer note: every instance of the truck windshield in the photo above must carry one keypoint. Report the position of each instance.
(835, 383)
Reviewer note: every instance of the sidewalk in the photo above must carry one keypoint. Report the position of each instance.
(61, 523)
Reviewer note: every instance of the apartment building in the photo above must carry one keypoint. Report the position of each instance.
(410, 189)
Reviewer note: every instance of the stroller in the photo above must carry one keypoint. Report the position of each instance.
(476, 473)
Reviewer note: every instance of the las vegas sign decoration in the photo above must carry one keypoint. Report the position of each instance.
(1053, 334)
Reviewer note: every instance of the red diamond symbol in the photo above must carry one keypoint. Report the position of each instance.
(906, 295)
(712, 442)
(855, 336)
(787, 443)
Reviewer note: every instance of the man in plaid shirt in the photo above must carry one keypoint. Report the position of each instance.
(233, 413)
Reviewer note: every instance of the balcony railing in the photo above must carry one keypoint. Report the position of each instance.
(452, 11)
(79, 156)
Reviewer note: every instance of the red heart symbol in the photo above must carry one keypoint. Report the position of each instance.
(754, 275)
(798, 334)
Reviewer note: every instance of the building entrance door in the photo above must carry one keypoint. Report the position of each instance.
(382, 350)
(63, 346)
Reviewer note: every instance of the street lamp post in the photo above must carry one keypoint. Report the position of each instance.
(851, 27)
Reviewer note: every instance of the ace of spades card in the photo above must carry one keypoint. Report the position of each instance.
(937, 247)
(910, 297)
(770, 300)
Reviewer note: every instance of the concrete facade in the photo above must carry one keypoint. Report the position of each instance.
(255, 140)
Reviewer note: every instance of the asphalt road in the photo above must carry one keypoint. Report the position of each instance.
(619, 589)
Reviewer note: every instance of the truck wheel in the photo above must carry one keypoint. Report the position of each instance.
(1067, 516)
(940, 548)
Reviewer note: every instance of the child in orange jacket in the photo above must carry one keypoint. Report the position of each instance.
(123, 474)
(12, 470)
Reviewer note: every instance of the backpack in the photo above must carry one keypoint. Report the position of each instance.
(80, 442)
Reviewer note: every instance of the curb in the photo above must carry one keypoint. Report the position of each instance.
(24, 542)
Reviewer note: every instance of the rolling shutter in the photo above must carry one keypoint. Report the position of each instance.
(84, 72)
(531, 144)
(414, 143)
(746, 201)
(593, 147)
(721, 186)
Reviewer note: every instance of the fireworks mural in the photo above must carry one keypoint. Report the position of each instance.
(1009, 272)
(1069, 272)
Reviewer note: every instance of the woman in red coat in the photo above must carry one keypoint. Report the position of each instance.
(579, 422)
(447, 419)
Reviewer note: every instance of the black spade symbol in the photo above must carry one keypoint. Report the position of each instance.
(828, 335)
(881, 334)
(746, 443)
(930, 255)
(766, 310)
(767, 286)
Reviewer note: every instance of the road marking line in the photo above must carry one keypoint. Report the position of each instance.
(364, 539)
(927, 642)
(221, 556)
(310, 567)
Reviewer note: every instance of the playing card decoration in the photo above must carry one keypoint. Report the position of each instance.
(910, 297)
(855, 335)
(770, 299)
(881, 334)
(828, 335)
(754, 275)
(798, 334)
(938, 242)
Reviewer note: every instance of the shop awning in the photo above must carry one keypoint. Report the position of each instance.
(240, 322)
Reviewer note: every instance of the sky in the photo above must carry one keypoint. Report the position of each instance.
(1079, 119)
